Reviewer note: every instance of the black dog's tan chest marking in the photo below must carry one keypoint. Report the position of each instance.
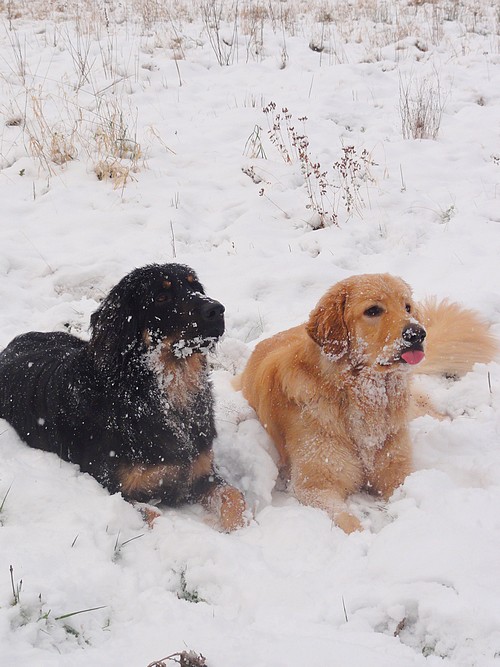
(179, 380)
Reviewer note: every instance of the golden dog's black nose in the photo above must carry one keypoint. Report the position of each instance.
(413, 334)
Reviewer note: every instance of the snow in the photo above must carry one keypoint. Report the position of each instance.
(196, 181)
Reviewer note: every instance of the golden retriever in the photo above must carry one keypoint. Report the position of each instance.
(334, 393)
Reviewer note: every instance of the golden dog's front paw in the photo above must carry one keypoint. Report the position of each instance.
(348, 522)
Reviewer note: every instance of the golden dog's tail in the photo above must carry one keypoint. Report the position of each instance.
(457, 338)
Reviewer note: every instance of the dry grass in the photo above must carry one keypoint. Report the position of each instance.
(80, 117)
(103, 133)
(421, 107)
(184, 659)
(86, 116)
(377, 22)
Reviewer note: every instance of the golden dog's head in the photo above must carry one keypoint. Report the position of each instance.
(369, 320)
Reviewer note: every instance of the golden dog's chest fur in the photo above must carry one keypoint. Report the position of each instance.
(375, 406)
(335, 394)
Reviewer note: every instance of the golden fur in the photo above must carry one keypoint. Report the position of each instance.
(334, 393)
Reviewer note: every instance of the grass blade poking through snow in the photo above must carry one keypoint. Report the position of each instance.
(75, 613)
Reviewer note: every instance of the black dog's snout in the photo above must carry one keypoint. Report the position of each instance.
(414, 334)
(211, 311)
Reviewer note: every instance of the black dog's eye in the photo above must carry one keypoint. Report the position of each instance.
(162, 297)
(374, 311)
(408, 308)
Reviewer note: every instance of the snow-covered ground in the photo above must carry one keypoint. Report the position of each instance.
(135, 93)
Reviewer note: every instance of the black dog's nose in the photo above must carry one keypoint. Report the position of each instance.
(211, 310)
(414, 334)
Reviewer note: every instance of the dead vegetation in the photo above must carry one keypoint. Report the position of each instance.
(85, 114)
(184, 659)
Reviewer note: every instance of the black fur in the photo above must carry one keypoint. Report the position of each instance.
(101, 404)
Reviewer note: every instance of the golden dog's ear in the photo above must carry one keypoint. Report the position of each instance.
(326, 324)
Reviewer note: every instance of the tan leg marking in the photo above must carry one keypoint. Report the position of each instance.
(149, 515)
(202, 466)
(144, 478)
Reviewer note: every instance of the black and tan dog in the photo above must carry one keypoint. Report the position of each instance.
(133, 406)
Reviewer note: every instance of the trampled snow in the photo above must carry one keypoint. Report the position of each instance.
(123, 141)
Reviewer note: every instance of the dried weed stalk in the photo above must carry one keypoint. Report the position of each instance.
(214, 19)
(184, 659)
(421, 108)
(325, 191)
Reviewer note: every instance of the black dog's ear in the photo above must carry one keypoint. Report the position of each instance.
(117, 326)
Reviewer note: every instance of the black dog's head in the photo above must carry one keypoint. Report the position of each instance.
(176, 308)
(155, 303)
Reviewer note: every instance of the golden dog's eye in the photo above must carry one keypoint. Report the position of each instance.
(374, 311)
(408, 308)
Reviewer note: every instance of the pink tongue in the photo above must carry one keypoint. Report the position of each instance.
(413, 356)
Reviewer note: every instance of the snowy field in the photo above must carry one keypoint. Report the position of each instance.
(276, 147)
